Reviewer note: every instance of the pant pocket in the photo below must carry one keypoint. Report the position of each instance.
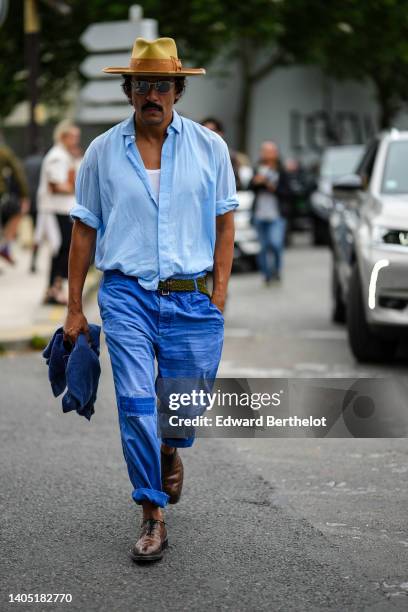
(217, 309)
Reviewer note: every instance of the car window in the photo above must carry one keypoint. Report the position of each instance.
(339, 161)
(395, 176)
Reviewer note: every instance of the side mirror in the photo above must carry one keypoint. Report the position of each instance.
(346, 185)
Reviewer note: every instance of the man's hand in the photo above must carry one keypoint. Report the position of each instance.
(75, 324)
(270, 186)
(259, 179)
(82, 244)
(219, 301)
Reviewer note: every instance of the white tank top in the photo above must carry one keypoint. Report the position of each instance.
(154, 178)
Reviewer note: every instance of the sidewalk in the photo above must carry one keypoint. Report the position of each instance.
(23, 317)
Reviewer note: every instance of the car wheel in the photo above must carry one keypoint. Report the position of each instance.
(365, 345)
(339, 307)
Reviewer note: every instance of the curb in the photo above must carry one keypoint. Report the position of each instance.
(33, 336)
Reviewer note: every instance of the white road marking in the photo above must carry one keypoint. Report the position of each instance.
(228, 369)
(312, 367)
(239, 372)
(231, 332)
(324, 334)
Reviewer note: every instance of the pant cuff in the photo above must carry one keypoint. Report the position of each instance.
(178, 442)
(159, 498)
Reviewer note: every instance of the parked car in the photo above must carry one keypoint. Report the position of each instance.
(246, 245)
(369, 232)
(335, 162)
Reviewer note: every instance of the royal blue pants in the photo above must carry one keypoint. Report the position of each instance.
(184, 333)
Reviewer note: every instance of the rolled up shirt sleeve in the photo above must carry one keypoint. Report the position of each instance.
(88, 208)
(226, 193)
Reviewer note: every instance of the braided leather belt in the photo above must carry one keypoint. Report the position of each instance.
(180, 284)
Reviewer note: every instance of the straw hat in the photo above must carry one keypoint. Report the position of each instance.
(155, 57)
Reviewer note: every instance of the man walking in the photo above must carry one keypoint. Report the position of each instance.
(270, 209)
(157, 192)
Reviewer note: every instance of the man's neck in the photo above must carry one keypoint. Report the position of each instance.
(152, 133)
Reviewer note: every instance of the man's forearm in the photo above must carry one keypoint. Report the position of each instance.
(223, 256)
(271, 187)
(82, 245)
(67, 188)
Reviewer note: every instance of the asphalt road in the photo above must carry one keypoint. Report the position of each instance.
(278, 524)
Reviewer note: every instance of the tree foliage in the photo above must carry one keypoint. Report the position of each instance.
(366, 41)
(60, 49)
(347, 38)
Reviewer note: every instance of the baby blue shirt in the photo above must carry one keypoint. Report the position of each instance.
(155, 238)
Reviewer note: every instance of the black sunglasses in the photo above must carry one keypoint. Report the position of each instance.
(143, 87)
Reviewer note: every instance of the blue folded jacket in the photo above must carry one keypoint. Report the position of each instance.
(76, 368)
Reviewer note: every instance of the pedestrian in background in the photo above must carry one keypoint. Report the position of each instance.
(56, 196)
(270, 210)
(14, 202)
(239, 161)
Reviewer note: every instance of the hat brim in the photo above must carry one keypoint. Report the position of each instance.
(179, 73)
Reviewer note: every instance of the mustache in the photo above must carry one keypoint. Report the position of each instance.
(151, 105)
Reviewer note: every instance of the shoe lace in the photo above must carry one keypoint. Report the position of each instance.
(151, 525)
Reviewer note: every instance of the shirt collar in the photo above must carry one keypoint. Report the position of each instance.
(176, 123)
(128, 126)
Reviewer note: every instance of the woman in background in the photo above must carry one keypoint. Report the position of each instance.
(56, 195)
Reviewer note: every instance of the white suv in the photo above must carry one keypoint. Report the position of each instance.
(369, 230)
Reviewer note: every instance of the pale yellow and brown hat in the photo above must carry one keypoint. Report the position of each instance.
(155, 57)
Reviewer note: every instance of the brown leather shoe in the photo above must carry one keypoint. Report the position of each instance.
(172, 473)
(152, 541)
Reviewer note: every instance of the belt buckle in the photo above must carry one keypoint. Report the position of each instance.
(166, 289)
